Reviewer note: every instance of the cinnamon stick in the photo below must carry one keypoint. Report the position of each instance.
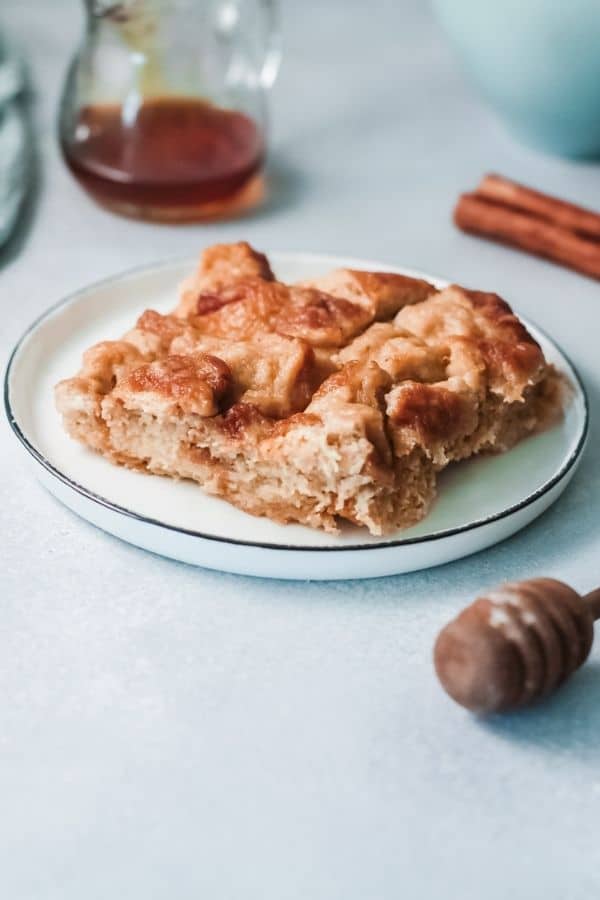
(510, 193)
(477, 214)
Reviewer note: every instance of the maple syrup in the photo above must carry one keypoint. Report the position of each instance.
(178, 159)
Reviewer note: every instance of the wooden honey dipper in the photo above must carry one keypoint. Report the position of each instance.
(516, 644)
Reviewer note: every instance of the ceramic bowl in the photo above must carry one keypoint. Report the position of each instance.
(537, 63)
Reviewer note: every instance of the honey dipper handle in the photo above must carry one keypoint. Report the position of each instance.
(593, 602)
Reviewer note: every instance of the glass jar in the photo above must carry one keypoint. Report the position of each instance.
(163, 114)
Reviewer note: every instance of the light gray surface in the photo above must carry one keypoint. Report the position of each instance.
(168, 732)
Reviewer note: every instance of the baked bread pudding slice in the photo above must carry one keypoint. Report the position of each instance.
(338, 399)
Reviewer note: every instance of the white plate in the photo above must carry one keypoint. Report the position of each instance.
(480, 502)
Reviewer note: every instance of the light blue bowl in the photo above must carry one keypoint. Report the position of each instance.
(537, 62)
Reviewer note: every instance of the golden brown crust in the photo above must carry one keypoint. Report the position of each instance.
(309, 402)
(153, 333)
(399, 353)
(222, 265)
(276, 374)
(319, 318)
(381, 294)
(240, 419)
(431, 416)
(356, 383)
(434, 411)
(511, 358)
(243, 310)
(195, 384)
(225, 263)
(253, 306)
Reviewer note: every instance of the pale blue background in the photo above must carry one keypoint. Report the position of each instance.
(174, 734)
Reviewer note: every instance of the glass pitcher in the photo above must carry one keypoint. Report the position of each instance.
(163, 114)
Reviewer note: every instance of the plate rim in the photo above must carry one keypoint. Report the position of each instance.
(90, 495)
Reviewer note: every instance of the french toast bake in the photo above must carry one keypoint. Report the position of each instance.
(335, 399)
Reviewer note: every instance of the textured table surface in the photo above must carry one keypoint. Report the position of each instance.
(167, 732)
